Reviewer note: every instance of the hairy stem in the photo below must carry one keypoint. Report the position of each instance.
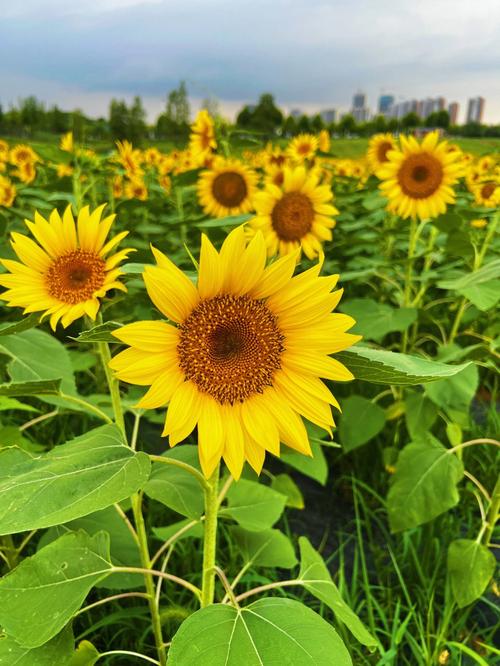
(210, 539)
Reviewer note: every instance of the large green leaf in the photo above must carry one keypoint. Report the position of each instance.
(58, 650)
(35, 387)
(384, 367)
(455, 392)
(484, 296)
(424, 484)
(19, 326)
(420, 412)
(314, 466)
(361, 420)
(268, 548)
(85, 475)
(41, 595)
(471, 567)
(175, 487)
(317, 580)
(269, 631)
(486, 273)
(253, 505)
(374, 319)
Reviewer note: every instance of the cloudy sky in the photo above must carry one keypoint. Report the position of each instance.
(312, 54)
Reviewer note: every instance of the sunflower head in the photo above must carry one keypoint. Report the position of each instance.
(4, 150)
(67, 143)
(21, 154)
(67, 269)
(487, 192)
(299, 214)
(418, 178)
(227, 188)
(26, 172)
(302, 147)
(7, 192)
(136, 189)
(243, 355)
(378, 149)
(202, 138)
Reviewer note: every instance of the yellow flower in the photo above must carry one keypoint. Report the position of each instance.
(7, 192)
(165, 182)
(299, 214)
(152, 156)
(479, 223)
(26, 172)
(324, 141)
(274, 174)
(21, 154)
(417, 179)
(4, 151)
(136, 189)
(302, 147)
(244, 354)
(64, 170)
(66, 272)
(129, 158)
(378, 147)
(227, 189)
(202, 138)
(487, 193)
(117, 187)
(66, 142)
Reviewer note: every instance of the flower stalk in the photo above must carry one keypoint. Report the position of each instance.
(210, 539)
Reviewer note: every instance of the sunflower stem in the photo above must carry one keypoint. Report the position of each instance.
(210, 539)
(492, 516)
(114, 389)
(412, 243)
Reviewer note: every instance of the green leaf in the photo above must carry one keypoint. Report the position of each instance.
(471, 567)
(174, 487)
(23, 324)
(269, 631)
(7, 404)
(165, 533)
(448, 222)
(424, 484)
(85, 475)
(42, 594)
(36, 387)
(85, 655)
(420, 413)
(484, 296)
(374, 319)
(384, 367)
(455, 392)
(361, 421)
(284, 484)
(99, 333)
(229, 221)
(268, 548)
(317, 580)
(314, 467)
(253, 505)
(486, 273)
(57, 651)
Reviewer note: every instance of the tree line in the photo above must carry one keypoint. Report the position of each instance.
(30, 117)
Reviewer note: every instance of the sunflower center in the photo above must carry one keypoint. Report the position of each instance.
(74, 277)
(304, 148)
(420, 175)
(487, 190)
(292, 216)
(230, 347)
(229, 189)
(382, 151)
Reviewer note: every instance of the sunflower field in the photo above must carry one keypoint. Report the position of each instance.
(249, 402)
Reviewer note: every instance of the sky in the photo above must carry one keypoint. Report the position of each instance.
(311, 54)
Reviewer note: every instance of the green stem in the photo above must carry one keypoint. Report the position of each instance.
(182, 465)
(210, 539)
(114, 388)
(492, 515)
(412, 243)
(148, 577)
(458, 319)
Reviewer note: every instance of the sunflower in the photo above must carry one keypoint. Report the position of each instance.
(243, 357)
(378, 147)
(417, 179)
(26, 172)
(302, 147)
(66, 142)
(67, 271)
(479, 223)
(4, 150)
(324, 141)
(202, 138)
(136, 189)
(7, 192)
(130, 159)
(64, 170)
(487, 193)
(21, 154)
(227, 189)
(299, 214)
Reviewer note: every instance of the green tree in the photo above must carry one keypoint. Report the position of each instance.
(410, 121)
(118, 119)
(347, 124)
(178, 105)
(317, 123)
(289, 126)
(136, 121)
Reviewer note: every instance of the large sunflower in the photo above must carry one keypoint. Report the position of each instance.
(68, 270)
(243, 356)
(227, 188)
(418, 178)
(378, 147)
(298, 214)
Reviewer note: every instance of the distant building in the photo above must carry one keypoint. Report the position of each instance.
(329, 116)
(453, 109)
(359, 110)
(359, 100)
(385, 104)
(475, 110)
(296, 113)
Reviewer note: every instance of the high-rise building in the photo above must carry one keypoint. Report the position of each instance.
(439, 104)
(453, 109)
(475, 110)
(329, 115)
(359, 109)
(385, 104)
(359, 101)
